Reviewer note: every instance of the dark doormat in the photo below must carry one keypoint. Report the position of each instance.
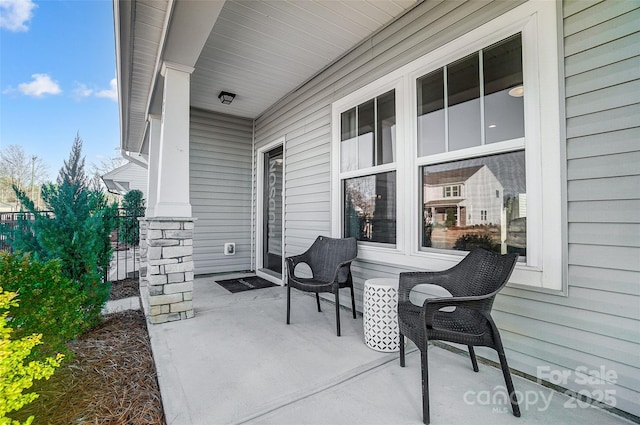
(245, 284)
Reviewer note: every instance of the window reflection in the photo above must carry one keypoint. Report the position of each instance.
(476, 202)
(431, 135)
(386, 133)
(366, 124)
(503, 90)
(463, 89)
(368, 133)
(459, 109)
(370, 208)
(348, 141)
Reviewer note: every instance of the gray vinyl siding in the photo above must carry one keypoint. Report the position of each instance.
(602, 79)
(304, 117)
(220, 179)
(596, 324)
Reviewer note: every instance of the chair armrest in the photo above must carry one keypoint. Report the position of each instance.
(339, 267)
(408, 280)
(433, 305)
(293, 261)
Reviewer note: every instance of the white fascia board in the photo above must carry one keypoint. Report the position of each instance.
(121, 21)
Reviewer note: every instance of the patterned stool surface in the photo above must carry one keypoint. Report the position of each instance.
(381, 314)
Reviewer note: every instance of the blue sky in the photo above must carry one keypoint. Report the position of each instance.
(57, 78)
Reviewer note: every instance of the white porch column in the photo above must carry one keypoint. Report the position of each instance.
(169, 225)
(172, 195)
(154, 157)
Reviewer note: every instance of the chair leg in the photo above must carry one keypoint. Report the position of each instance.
(401, 344)
(353, 303)
(338, 311)
(425, 386)
(474, 361)
(497, 345)
(288, 303)
(507, 380)
(318, 302)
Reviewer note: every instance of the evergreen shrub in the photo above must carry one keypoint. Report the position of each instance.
(76, 232)
(50, 303)
(469, 241)
(133, 205)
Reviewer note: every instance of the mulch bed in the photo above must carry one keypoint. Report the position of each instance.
(111, 379)
(124, 289)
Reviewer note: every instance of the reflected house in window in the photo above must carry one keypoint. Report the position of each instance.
(463, 197)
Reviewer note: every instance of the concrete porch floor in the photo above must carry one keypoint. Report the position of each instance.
(238, 362)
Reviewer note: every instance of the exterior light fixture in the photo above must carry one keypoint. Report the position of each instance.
(226, 97)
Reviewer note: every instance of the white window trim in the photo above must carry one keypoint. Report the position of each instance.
(537, 20)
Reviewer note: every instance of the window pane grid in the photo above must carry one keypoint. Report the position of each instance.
(368, 134)
(482, 100)
(367, 170)
(473, 181)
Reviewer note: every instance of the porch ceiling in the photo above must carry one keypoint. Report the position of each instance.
(262, 50)
(258, 49)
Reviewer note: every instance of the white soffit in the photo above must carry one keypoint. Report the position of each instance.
(262, 50)
(149, 22)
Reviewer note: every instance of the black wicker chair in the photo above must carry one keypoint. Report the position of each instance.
(330, 262)
(473, 284)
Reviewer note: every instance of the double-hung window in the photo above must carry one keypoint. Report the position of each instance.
(367, 169)
(470, 132)
(457, 149)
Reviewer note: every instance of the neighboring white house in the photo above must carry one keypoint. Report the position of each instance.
(127, 177)
(549, 88)
(474, 192)
(8, 207)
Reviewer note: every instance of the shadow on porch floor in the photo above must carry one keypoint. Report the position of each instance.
(238, 362)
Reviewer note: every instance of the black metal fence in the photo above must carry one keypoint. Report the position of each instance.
(125, 260)
(14, 220)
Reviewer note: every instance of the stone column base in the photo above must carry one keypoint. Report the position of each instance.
(169, 268)
(142, 271)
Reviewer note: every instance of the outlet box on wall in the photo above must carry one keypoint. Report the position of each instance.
(230, 248)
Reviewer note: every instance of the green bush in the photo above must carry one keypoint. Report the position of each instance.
(469, 241)
(15, 374)
(450, 220)
(133, 205)
(76, 232)
(50, 303)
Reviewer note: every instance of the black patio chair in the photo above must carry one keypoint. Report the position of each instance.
(473, 284)
(330, 262)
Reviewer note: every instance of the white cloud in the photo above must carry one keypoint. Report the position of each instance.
(111, 93)
(16, 14)
(80, 91)
(42, 84)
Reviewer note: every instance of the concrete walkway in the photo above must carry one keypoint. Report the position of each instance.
(237, 362)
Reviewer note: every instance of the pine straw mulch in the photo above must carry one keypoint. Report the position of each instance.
(124, 289)
(111, 379)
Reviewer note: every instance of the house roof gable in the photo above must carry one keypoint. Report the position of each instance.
(458, 175)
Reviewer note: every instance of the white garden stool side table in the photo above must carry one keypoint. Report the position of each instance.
(380, 314)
